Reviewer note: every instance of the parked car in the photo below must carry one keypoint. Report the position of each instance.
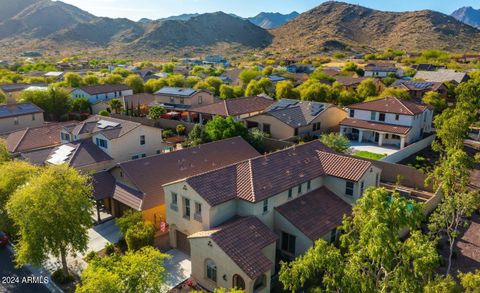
(3, 239)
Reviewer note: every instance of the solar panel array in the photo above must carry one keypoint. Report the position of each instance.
(419, 84)
(19, 109)
(61, 155)
(176, 91)
(283, 104)
(316, 108)
(102, 124)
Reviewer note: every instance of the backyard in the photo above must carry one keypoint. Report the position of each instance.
(369, 155)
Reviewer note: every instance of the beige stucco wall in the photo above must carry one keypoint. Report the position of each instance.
(302, 242)
(24, 121)
(278, 129)
(206, 98)
(201, 251)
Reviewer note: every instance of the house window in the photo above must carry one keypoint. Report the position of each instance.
(260, 283)
(290, 193)
(381, 117)
(136, 157)
(211, 270)
(102, 143)
(373, 115)
(158, 152)
(186, 208)
(238, 282)
(33, 117)
(200, 99)
(144, 155)
(265, 206)
(309, 184)
(288, 243)
(174, 204)
(394, 136)
(295, 131)
(316, 126)
(362, 187)
(15, 121)
(377, 182)
(352, 113)
(182, 101)
(142, 139)
(397, 117)
(333, 235)
(349, 188)
(425, 117)
(198, 212)
(266, 128)
(299, 189)
(172, 100)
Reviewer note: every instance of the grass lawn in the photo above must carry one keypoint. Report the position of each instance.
(369, 155)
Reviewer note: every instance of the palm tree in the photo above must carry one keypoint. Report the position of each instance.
(116, 105)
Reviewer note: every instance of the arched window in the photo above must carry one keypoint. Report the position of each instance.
(211, 269)
(238, 282)
(260, 283)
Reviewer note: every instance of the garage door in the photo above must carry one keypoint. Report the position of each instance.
(183, 244)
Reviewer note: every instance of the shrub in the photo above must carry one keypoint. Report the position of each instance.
(167, 133)
(180, 129)
(129, 219)
(104, 113)
(141, 235)
(109, 248)
(59, 277)
(90, 256)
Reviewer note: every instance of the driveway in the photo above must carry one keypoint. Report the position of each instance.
(373, 148)
(9, 274)
(179, 268)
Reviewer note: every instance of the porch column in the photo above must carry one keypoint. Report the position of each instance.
(200, 117)
(360, 135)
(380, 138)
(402, 142)
(188, 117)
(98, 212)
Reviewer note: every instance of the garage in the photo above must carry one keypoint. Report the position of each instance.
(183, 244)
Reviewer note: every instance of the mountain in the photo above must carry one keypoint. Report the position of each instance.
(185, 16)
(341, 26)
(145, 20)
(56, 28)
(270, 20)
(468, 15)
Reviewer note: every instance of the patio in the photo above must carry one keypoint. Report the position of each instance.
(373, 148)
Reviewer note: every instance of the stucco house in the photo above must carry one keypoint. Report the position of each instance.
(289, 119)
(181, 99)
(417, 89)
(388, 121)
(18, 116)
(101, 94)
(382, 69)
(204, 212)
(442, 75)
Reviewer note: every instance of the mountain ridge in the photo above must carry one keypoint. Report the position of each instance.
(468, 15)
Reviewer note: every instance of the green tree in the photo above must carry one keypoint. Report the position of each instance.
(4, 154)
(315, 91)
(176, 80)
(104, 113)
(140, 235)
(113, 79)
(56, 102)
(128, 220)
(397, 93)
(267, 70)
(248, 75)
(372, 257)
(470, 281)
(72, 79)
(253, 89)
(180, 129)
(53, 214)
(135, 82)
(226, 92)
(3, 98)
(136, 271)
(221, 128)
(116, 105)
(452, 127)
(367, 88)
(238, 91)
(197, 136)
(81, 104)
(435, 100)
(215, 83)
(156, 112)
(168, 67)
(153, 85)
(284, 90)
(265, 84)
(336, 141)
(122, 72)
(90, 79)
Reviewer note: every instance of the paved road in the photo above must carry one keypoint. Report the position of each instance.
(11, 278)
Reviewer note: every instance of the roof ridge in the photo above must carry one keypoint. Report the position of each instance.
(251, 178)
(21, 138)
(226, 107)
(403, 104)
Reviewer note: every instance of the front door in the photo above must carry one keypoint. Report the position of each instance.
(377, 136)
(183, 244)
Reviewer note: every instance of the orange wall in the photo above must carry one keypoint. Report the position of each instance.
(155, 215)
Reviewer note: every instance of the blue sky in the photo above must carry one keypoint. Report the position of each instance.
(136, 9)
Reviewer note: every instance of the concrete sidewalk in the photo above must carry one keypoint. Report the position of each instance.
(179, 268)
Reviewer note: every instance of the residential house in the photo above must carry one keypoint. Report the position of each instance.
(388, 121)
(216, 60)
(427, 67)
(300, 68)
(289, 119)
(417, 89)
(18, 116)
(352, 83)
(239, 108)
(57, 75)
(138, 184)
(182, 99)
(100, 95)
(12, 90)
(382, 69)
(276, 78)
(227, 218)
(442, 75)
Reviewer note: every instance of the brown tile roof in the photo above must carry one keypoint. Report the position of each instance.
(128, 196)
(243, 240)
(151, 173)
(104, 88)
(86, 153)
(316, 213)
(259, 178)
(104, 184)
(357, 123)
(36, 138)
(235, 107)
(391, 105)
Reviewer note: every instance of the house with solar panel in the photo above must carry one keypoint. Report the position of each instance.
(382, 69)
(19, 116)
(182, 99)
(417, 89)
(99, 96)
(388, 121)
(290, 119)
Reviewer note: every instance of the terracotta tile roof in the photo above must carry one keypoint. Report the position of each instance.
(316, 213)
(296, 113)
(383, 127)
(36, 138)
(259, 178)
(12, 110)
(391, 105)
(104, 184)
(128, 196)
(243, 240)
(104, 88)
(151, 173)
(235, 107)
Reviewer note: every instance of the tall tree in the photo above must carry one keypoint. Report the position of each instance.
(221, 128)
(336, 141)
(226, 92)
(4, 154)
(53, 214)
(116, 105)
(135, 82)
(73, 79)
(367, 88)
(284, 90)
